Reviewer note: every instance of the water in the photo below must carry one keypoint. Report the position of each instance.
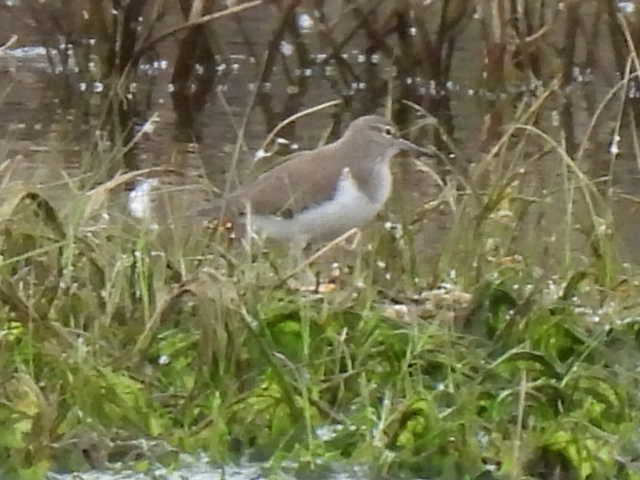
(197, 467)
(274, 63)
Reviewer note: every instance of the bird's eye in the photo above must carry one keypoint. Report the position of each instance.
(388, 131)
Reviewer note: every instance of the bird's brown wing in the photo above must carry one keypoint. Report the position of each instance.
(307, 178)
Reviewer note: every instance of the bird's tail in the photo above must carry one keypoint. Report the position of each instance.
(160, 206)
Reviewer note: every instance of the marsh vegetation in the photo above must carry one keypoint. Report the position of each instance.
(486, 326)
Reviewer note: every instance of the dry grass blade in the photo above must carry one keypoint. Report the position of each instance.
(164, 304)
(27, 316)
(293, 118)
(32, 253)
(630, 42)
(636, 141)
(7, 45)
(41, 204)
(23, 312)
(233, 169)
(601, 108)
(99, 194)
(319, 253)
(526, 116)
(584, 180)
(190, 24)
(430, 120)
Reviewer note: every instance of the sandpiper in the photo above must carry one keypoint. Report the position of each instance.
(317, 195)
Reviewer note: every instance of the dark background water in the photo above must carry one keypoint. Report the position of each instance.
(84, 76)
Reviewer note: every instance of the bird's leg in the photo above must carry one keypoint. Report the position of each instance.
(301, 268)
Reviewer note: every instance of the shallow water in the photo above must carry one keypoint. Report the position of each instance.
(199, 468)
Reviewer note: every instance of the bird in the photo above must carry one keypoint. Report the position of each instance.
(318, 195)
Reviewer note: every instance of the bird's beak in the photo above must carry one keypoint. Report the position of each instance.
(410, 147)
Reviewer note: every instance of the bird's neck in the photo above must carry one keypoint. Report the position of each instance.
(374, 179)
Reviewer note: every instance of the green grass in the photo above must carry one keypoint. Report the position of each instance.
(509, 351)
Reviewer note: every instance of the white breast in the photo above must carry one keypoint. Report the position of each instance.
(349, 208)
(382, 178)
